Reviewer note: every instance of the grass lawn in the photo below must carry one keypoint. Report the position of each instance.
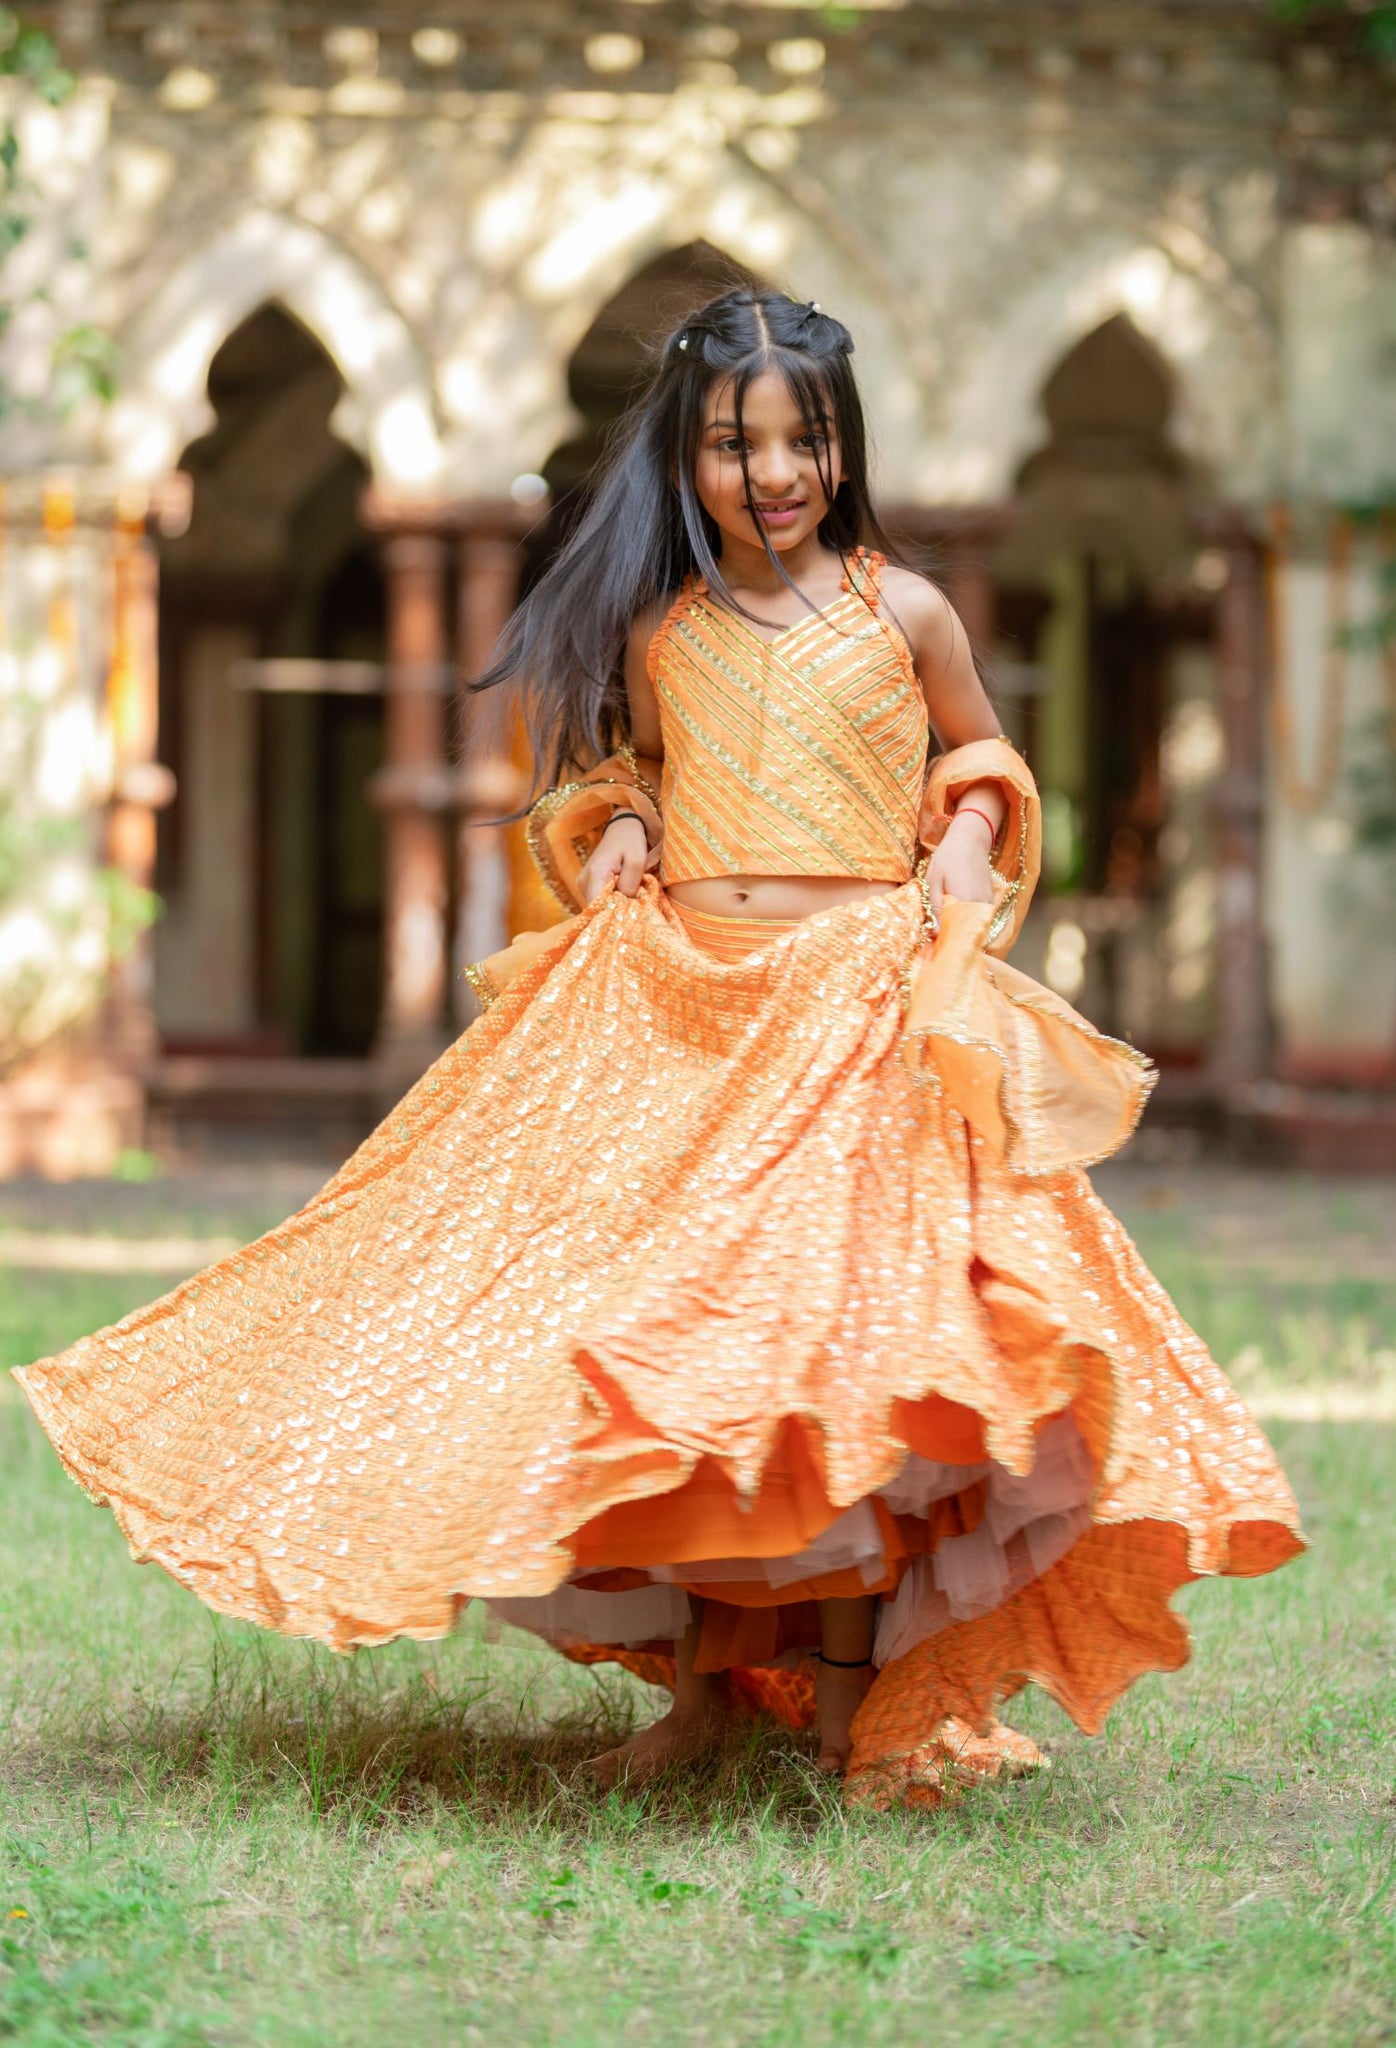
(210, 1835)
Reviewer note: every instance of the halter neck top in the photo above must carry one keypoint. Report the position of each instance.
(804, 754)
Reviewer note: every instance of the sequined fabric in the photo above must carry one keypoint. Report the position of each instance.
(800, 754)
(672, 1257)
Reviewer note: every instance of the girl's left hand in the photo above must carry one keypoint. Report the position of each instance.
(960, 864)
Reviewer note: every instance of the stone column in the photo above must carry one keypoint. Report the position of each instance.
(140, 784)
(412, 789)
(490, 783)
(86, 597)
(1240, 1043)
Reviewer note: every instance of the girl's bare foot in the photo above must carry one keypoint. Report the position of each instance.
(838, 1694)
(701, 1709)
(683, 1733)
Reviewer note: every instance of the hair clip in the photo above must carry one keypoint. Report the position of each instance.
(815, 306)
(683, 341)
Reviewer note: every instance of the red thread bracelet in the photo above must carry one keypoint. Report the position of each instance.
(975, 812)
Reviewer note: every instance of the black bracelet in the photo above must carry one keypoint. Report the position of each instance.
(626, 814)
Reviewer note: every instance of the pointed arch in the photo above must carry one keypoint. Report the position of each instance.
(507, 388)
(388, 410)
(1217, 349)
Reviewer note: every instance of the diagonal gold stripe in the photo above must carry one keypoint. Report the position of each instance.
(815, 745)
(749, 781)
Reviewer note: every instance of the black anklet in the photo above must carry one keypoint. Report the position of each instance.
(844, 1663)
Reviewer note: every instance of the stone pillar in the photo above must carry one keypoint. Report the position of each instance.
(140, 784)
(1240, 1043)
(85, 598)
(412, 789)
(490, 782)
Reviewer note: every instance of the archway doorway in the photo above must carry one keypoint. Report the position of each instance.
(609, 366)
(271, 717)
(610, 363)
(1106, 603)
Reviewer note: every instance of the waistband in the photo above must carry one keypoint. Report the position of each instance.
(729, 939)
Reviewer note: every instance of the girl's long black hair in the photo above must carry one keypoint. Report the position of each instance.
(645, 529)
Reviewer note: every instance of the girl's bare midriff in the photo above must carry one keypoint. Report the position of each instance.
(773, 895)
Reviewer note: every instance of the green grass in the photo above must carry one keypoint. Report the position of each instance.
(210, 1835)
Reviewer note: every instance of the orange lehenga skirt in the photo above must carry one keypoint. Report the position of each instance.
(701, 1265)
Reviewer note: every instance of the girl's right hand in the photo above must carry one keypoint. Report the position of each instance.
(621, 853)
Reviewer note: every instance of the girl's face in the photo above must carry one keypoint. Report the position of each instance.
(787, 461)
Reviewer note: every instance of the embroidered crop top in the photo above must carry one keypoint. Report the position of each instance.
(804, 754)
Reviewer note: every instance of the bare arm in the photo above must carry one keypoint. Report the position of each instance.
(959, 708)
(959, 711)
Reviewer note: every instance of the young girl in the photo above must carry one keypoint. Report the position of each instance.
(729, 1300)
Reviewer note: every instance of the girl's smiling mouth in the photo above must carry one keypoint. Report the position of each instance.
(779, 512)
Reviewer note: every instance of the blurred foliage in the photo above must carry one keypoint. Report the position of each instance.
(1377, 22)
(1374, 793)
(29, 54)
(84, 361)
(84, 358)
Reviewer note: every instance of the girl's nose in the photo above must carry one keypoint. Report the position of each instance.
(772, 472)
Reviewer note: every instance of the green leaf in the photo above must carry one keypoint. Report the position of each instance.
(558, 1895)
(998, 1960)
(666, 1891)
(34, 54)
(85, 362)
(13, 229)
(57, 86)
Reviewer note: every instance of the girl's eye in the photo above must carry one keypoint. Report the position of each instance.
(731, 446)
(815, 440)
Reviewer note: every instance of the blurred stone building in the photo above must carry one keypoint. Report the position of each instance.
(380, 276)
